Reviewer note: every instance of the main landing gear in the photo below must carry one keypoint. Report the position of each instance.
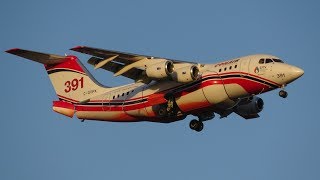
(169, 109)
(197, 125)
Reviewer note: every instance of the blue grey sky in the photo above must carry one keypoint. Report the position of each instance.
(37, 143)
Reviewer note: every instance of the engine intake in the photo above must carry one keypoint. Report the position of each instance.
(186, 74)
(160, 70)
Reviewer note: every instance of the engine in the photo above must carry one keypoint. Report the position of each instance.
(251, 107)
(161, 69)
(185, 74)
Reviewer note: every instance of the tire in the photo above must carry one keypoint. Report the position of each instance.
(193, 124)
(162, 112)
(199, 126)
(283, 94)
(196, 125)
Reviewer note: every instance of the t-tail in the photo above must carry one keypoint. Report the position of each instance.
(71, 80)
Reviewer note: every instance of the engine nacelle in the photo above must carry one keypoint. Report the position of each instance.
(185, 74)
(159, 70)
(253, 106)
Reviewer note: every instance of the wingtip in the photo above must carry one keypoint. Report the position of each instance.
(11, 51)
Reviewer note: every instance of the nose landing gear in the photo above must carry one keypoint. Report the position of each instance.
(283, 93)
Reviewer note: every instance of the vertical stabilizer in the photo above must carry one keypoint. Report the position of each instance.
(70, 79)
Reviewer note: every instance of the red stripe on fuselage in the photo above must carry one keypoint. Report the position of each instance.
(249, 86)
(252, 75)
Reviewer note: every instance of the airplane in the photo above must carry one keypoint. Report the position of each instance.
(164, 90)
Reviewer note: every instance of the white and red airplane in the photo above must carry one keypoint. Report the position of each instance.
(165, 90)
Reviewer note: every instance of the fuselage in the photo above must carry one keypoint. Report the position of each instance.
(219, 88)
(165, 90)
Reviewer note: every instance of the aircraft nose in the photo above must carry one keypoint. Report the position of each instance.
(296, 72)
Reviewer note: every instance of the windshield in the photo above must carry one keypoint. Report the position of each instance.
(269, 61)
(261, 61)
(278, 60)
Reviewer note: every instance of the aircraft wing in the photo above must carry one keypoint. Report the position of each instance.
(114, 61)
(114, 67)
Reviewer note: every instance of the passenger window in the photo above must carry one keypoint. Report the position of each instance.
(127, 93)
(230, 67)
(113, 97)
(235, 66)
(261, 61)
(269, 61)
(118, 95)
(225, 69)
(122, 94)
(219, 70)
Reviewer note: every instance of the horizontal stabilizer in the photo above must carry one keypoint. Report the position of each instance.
(43, 58)
(63, 108)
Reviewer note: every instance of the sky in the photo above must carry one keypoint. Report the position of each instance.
(37, 143)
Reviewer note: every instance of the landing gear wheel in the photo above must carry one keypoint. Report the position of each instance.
(283, 94)
(200, 126)
(196, 125)
(193, 124)
(162, 111)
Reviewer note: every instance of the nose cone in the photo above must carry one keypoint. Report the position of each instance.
(296, 72)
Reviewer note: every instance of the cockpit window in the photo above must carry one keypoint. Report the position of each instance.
(278, 60)
(261, 61)
(269, 61)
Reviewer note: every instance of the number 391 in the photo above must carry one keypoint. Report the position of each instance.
(73, 85)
